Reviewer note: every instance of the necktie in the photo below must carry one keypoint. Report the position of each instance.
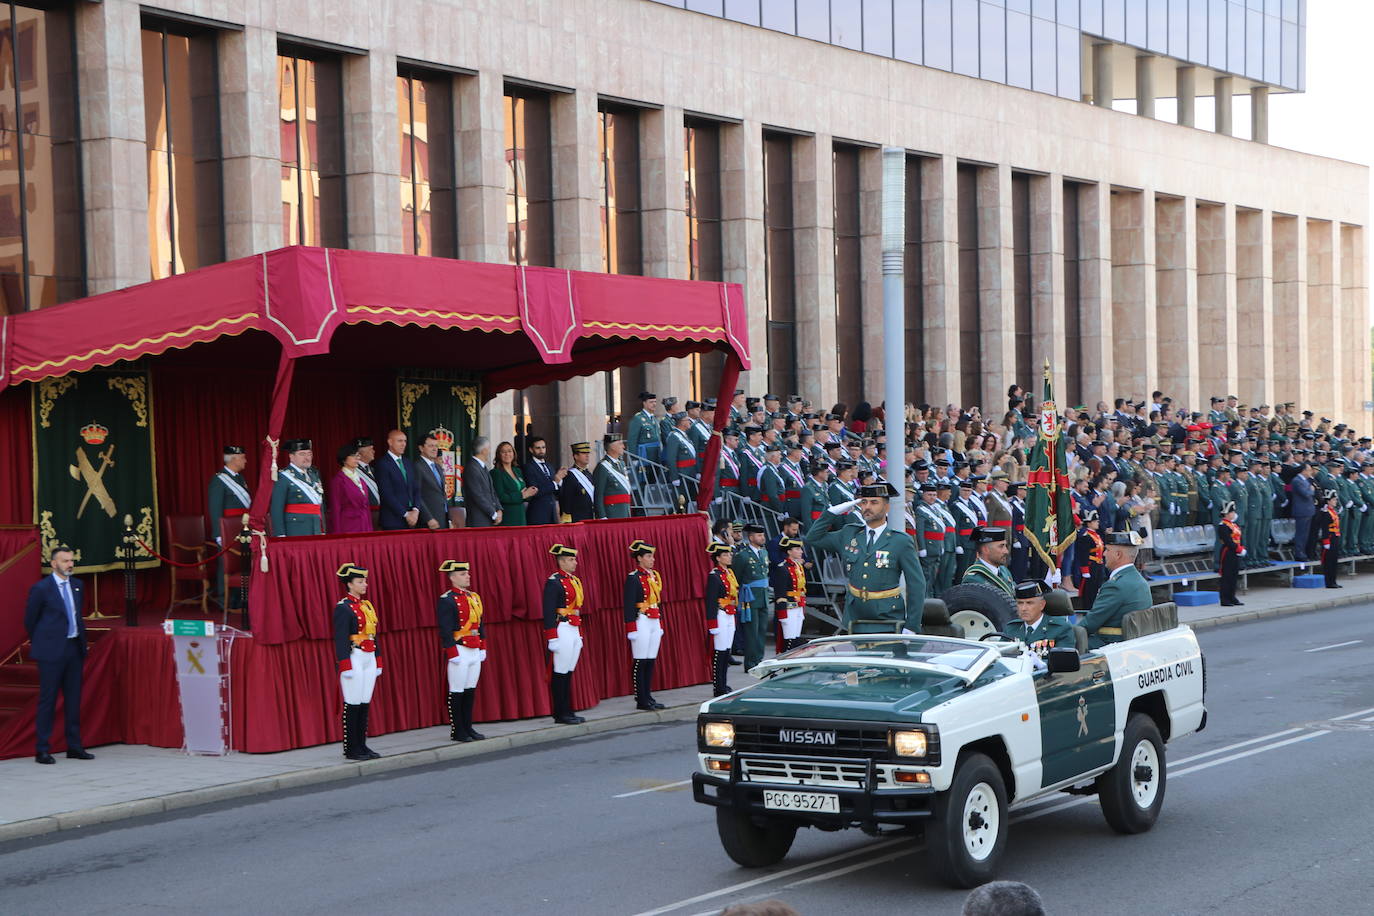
(872, 536)
(65, 587)
(400, 463)
(438, 474)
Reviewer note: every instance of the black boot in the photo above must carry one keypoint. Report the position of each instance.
(648, 680)
(469, 698)
(362, 747)
(355, 728)
(719, 667)
(456, 732)
(637, 680)
(561, 686)
(794, 643)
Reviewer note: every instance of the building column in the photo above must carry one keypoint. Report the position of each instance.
(1259, 114)
(871, 265)
(996, 285)
(663, 227)
(1292, 330)
(1255, 306)
(481, 126)
(252, 157)
(940, 272)
(1177, 276)
(1133, 294)
(742, 232)
(114, 152)
(373, 154)
(1145, 86)
(1355, 311)
(1323, 281)
(1103, 75)
(813, 238)
(1048, 323)
(1222, 88)
(1096, 323)
(1185, 80)
(577, 242)
(1217, 301)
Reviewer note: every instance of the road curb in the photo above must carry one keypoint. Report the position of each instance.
(176, 801)
(1286, 611)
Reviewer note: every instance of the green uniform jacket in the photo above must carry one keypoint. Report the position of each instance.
(814, 500)
(750, 565)
(792, 505)
(679, 456)
(841, 492)
(643, 429)
(751, 464)
(993, 577)
(892, 559)
(930, 531)
(771, 487)
(222, 499)
(1125, 592)
(612, 496)
(1056, 631)
(291, 489)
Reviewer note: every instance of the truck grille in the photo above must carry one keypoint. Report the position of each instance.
(853, 740)
(838, 774)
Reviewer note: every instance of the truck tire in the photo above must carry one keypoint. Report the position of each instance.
(981, 610)
(967, 831)
(1132, 792)
(749, 844)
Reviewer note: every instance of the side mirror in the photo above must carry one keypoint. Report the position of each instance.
(1063, 661)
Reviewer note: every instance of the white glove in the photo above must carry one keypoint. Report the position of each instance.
(906, 632)
(455, 660)
(844, 508)
(1241, 552)
(958, 550)
(348, 675)
(553, 644)
(632, 635)
(482, 656)
(379, 672)
(713, 631)
(921, 554)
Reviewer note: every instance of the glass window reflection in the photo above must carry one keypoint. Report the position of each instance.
(312, 149)
(429, 216)
(529, 178)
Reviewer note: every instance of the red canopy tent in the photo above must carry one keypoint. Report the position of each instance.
(346, 313)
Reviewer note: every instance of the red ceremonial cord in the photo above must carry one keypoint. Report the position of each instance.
(171, 562)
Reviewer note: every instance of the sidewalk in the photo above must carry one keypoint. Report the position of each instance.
(132, 780)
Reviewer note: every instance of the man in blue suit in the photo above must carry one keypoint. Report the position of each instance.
(397, 486)
(1303, 496)
(57, 638)
(542, 508)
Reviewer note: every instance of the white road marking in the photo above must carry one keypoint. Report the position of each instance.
(1307, 736)
(1338, 645)
(671, 785)
(1239, 744)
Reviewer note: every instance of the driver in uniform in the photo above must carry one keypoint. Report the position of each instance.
(1033, 626)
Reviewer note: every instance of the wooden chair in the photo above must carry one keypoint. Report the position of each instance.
(185, 538)
(229, 529)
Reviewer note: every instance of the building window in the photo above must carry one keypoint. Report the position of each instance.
(181, 119)
(429, 205)
(913, 269)
(779, 262)
(529, 178)
(1023, 306)
(621, 251)
(1073, 301)
(42, 236)
(705, 241)
(848, 256)
(313, 199)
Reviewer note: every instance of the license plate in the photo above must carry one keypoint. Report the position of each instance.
(802, 801)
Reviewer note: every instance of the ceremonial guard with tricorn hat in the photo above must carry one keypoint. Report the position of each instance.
(563, 602)
(722, 607)
(462, 635)
(355, 651)
(643, 620)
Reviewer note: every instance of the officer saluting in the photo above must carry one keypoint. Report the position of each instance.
(563, 599)
(643, 626)
(1033, 626)
(877, 559)
(788, 581)
(355, 650)
(722, 605)
(463, 638)
(298, 496)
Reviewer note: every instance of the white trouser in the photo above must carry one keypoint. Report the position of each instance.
(566, 648)
(646, 637)
(464, 669)
(724, 636)
(358, 682)
(791, 619)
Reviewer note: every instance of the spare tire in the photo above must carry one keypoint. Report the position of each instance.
(981, 610)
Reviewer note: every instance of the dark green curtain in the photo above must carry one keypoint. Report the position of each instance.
(446, 403)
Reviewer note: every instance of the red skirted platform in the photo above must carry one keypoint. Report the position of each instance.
(285, 681)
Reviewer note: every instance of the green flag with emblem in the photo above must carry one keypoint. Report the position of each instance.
(93, 466)
(1050, 522)
(445, 404)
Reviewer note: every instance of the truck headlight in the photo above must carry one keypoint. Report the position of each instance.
(719, 734)
(909, 743)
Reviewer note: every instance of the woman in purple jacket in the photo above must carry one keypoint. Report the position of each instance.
(347, 501)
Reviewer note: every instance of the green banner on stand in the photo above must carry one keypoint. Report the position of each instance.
(93, 465)
(447, 405)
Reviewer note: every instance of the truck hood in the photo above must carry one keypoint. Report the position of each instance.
(875, 694)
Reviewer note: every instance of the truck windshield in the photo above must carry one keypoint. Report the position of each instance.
(947, 653)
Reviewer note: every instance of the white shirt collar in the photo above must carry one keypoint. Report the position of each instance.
(877, 532)
(1120, 569)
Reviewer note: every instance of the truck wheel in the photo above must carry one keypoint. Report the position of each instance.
(1132, 792)
(749, 844)
(982, 611)
(968, 827)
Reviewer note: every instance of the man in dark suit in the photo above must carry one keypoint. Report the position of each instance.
(433, 501)
(577, 493)
(1303, 495)
(57, 638)
(542, 508)
(397, 486)
(479, 496)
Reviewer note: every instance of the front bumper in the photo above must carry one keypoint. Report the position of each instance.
(859, 807)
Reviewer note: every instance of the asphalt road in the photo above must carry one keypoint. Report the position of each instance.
(1268, 810)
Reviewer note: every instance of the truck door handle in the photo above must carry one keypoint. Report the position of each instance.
(1099, 674)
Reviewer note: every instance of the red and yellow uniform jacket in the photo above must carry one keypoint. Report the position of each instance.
(563, 600)
(643, 589)
(722, 594)
(460, 621)
(355, 627)
(1229, 534)
(788, 581)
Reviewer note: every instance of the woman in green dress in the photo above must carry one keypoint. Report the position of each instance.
(510, 487)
